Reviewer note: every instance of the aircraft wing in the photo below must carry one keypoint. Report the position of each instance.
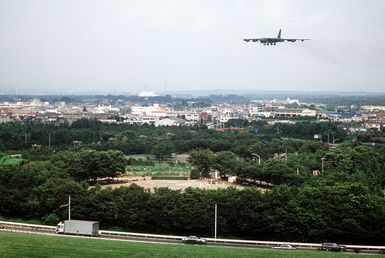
(294, 40)
(253, 40)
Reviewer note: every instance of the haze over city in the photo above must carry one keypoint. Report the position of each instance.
(130, 46)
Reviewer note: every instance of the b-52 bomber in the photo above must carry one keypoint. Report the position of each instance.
(273, 41)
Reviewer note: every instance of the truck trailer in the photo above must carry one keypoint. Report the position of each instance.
(78, 227)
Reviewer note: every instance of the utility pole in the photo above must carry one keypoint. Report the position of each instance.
(216, 219)
(49, 141)
(69, 207)
(25, 137)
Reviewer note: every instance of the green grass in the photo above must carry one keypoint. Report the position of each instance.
(158, 169)
(10, 161)
(30, 245)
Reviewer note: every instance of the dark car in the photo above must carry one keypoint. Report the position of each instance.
(332, 247)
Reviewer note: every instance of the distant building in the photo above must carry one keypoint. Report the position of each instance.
(108, 121)
(5, 119)
(147, 94)
(154, 110)
(294, 112)
(259, 111)
(345, 117)
(373, 108)
(174, 121)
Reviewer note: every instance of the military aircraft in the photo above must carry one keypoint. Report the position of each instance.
(273, 41)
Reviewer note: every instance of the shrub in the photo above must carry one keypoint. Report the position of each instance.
(195, 174)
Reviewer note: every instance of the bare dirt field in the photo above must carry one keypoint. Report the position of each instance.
(147, 183)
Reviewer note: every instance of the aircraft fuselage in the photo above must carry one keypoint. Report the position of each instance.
(270, 41)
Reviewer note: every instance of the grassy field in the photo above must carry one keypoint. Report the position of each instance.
(158, 169)
(9, 161)
(29, 245)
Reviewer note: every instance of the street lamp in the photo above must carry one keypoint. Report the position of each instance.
(69, 207)
(334, 140)
(322, 164)
(259, 158)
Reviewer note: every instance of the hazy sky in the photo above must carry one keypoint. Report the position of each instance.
(115, 46)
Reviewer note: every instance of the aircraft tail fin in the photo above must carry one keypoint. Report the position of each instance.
(279, 34)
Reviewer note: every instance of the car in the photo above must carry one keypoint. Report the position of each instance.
(194, 240)
(284, 247)
(332, 247)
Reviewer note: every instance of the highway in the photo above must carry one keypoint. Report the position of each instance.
(155, 238)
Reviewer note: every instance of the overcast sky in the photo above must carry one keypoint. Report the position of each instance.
(73, 46)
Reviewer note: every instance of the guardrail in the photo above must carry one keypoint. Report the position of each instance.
(213, 241)
(17, 225)
(294, 244)
(139, 235)
(262, 243)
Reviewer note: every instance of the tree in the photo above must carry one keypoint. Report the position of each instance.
(225, 162)
(237, 123)
(162, 149)
(69, 162)
(131, 206)
(202, 160)
(101, 164)
(275, 171)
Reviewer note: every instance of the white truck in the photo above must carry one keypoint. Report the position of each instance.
(78, 227)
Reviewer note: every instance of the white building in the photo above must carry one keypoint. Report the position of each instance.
(259, 111)
(154, 110)
(170, 122)
(147, 94)
(294, 112)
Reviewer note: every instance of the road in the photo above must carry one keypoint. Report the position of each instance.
(171, 239)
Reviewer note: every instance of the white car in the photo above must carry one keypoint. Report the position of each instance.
(284, 246)
(194, 240)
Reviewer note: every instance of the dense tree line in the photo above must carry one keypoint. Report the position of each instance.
(296, 164)
(89, 164)
(343, 204)
(161, 141)
(318, 211)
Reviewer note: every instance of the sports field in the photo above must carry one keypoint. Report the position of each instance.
(158, 169)
(9, 161)
(31, 245)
